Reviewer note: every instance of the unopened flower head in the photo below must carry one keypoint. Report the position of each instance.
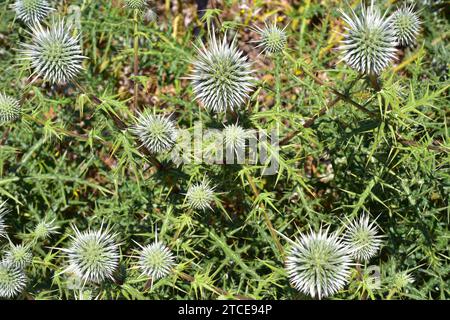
(44, 229)
(362, 237)
(155, 260)
(9, 109)
(12, 280)
(156, 132)
(3, 211)
(369, 44)
(19, 255)
(222, 77)
(54, 53)
(234, 137)
(273, 39)
(93, 255)
(406, 25)
(319, 264)
(402, 280)
(200, 195)
(136, 4)
(32, 11)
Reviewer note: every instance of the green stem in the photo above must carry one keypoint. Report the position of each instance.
(136, 59)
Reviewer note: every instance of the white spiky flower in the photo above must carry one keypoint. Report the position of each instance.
(156, 132)
(222, 77)
(3, 211)
(12, 280)
(406, 25)
(362, 237)
(369, 44)
(402, 280)
(273, 39)
(200, 195)
(155, 260)
(54, 53)
(18, 255)
(9, 109)
(32, 11)
(319, 264)
(44, 229)
(93, 256)
(136, 4)
(234, 137)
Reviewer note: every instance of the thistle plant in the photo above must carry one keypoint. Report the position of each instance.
(200, 195)
(155, 260)
(156, 132)
(12, 280)
(222, 77)
(18, 255)
(93, 256)
(234, 137)
(319, 264)
(54, 53)
(369, 44)
(406, 24)
(32, 11)
(273, 39)
(9, 109)
(362, 237)
(3, 212)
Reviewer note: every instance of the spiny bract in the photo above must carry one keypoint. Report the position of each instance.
(54, 54)
(32, 11)
(319, 264)
(156, 132)
(406, 25)
(12, 280)
(362, 237)
(369, 44)
(221, 77)
(200, 195)
(273, 39)
(19, 255)
(9, 109)
(155, 260)
(93, 255)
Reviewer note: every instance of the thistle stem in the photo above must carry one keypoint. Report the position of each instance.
(374, 82)
(136, 60)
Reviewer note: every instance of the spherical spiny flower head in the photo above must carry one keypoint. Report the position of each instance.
(362, 237)
(44, 229)
(18, 255)
(3, 212)
(200, 195)
(402, 280)
(221, 76)
(156, 132)
(273, 39)
(12, 280)
(406, 25)
(155, 260)
(369, 44)
(234, 137)
(93, 255)
(319, 264)
(32, 11)
(136, 4)
(55, 55)
(9, 109)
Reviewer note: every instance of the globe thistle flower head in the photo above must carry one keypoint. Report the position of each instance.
(402, 280)
(19, 255)
(234, 137)
(93, 255)
(222, 76)
(44, 229)
(369, 44)
(155, 260)
(362, 237)
(136, 4)
(12, 280)
(32, 11)
(156, 132)
(3, 212)
(200, 195)
(54, 54)
(9, 109)
(273, 39)
(319, 264)
(406, 25)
